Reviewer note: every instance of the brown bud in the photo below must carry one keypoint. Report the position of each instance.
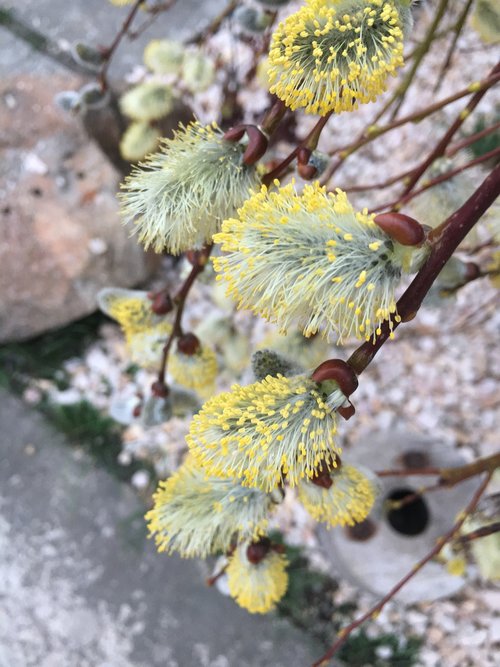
(159, 389)
(136, 412)
(235, 133)
(257, 141)
(338, 371)
(303, 155)
(198, 257)
(472, 271)
(257, 551)
(188, 344)
(162, 303)
(307, 171)
(322, 479)
(401, 228)
(347, 411)
(257, 145)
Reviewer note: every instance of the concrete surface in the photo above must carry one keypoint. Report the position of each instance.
(81, 585)
(95, 22)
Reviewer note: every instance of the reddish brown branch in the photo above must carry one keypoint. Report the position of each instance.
(443, 241)
(398, 203)
(310, 142)
(180, 302)
(110, 50)
(442, 145)
(347, 631)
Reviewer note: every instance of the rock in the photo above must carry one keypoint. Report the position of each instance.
(62, 239)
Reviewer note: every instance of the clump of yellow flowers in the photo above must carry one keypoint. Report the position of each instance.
(303, 259)
(332, 55)
(311, 258)
(178, 197)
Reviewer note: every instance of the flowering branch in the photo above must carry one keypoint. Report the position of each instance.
(440, 543)
(484, 531)
(373, 132)
(421, 52)
(200, 260)
(443, 242)
(442, 145)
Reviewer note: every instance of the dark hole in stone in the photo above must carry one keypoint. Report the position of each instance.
(414, 459)
(80, 175)
(410, 519)
(36, 192)
(361, 532)
(6, 210)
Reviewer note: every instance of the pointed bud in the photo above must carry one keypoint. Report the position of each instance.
(257, 551)
(159, 389)
(188, 344)
(338, 371)
(401, 228)
(161, 303)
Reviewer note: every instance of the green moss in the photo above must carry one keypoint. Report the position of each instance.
(360, 650)
(43, 356)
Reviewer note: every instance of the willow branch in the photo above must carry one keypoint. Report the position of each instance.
(109, 52)
(442, 145)
(398, 203)
(471, 139)
(311, 141)
(440, 543)
(484, 531)
(457, 31)
(214, 25)
(180, 302)
(372, 132)
(421, 52)
(443, 242)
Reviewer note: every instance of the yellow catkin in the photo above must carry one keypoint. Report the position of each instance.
(196, 371)
(257, 588)
(178, 197)
(145, 333)
(311, 259)
(332, 55)
(197, 515)
(261, 433)
(348, 501)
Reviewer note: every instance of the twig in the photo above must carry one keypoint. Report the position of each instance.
(490, 529)
(442, 145)
(422, 51)
(153, 12)
(440, 543)
(180, 302)
(398, 203)
(471, 139)
(109, 51)
(38, 41)
(444, 240)
(372, 132)
(467, 141)
(457, 31)
(214, 25)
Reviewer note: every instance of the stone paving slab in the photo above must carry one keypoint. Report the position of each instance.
(82, 586)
